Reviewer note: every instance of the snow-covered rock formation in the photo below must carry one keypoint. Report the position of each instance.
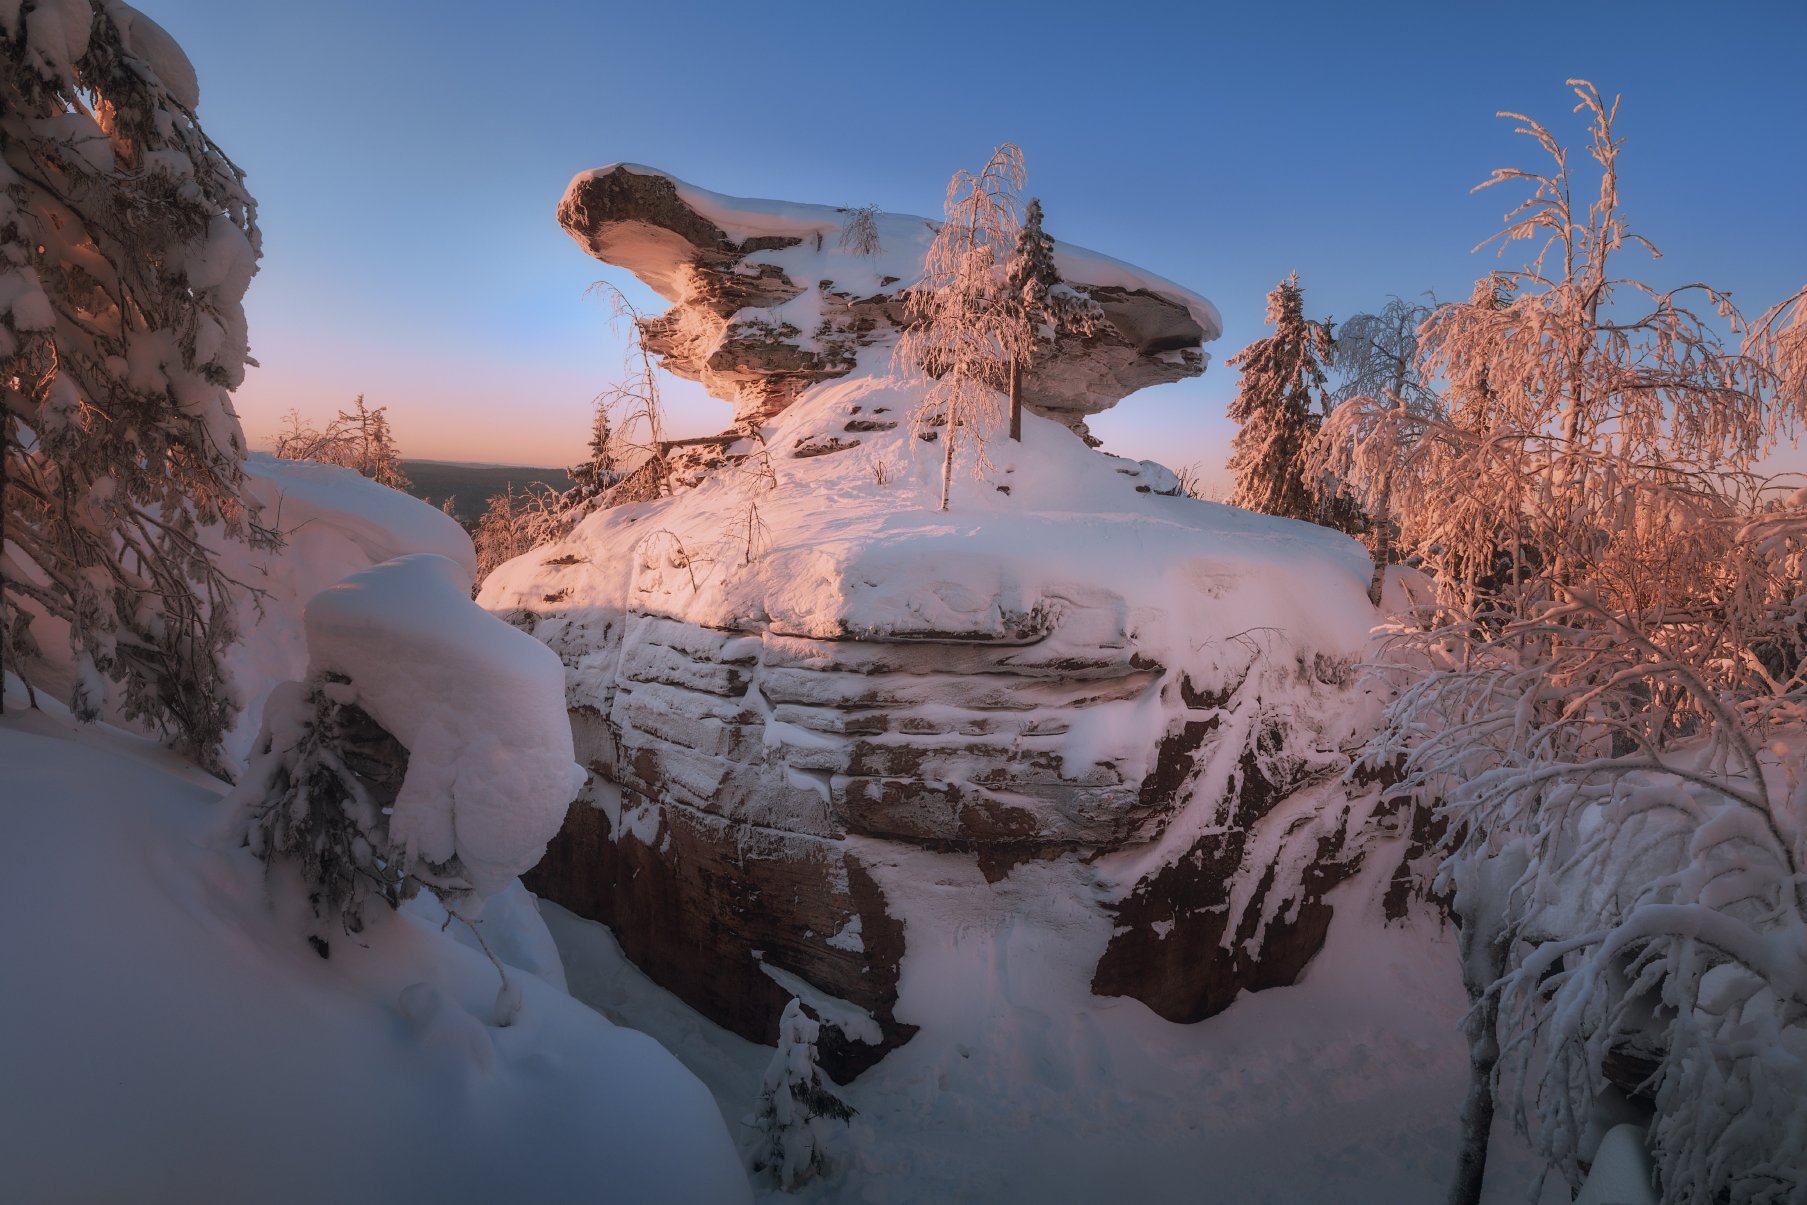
(770, 297)
(784, 677)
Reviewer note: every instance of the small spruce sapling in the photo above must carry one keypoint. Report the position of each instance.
(321, 787)
(798, 1110)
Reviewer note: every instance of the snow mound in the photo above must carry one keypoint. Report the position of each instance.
(332, 523)
(478, 705)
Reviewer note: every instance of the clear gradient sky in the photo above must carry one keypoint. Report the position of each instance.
(407, 157)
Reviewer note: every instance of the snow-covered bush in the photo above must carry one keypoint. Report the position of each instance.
(515, 524)
(797, 1109)
(127, 240)
(428, 747)
(357, 439)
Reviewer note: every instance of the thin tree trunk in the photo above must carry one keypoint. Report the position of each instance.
(947, 459)
(1477, 1108)
(1016, 400)
(1383, 544)
(1483, 948)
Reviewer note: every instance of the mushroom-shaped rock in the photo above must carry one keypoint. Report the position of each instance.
(770, 297)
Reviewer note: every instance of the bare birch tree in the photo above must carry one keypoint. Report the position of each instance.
(963, 330)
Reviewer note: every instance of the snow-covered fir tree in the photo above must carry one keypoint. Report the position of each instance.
(127, 239)
(1277, 408)
(1030, 279)
(322, 785)
(798, 1110)
(965, 329)
(597, 472)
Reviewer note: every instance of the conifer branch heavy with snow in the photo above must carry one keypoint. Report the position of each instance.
(127, 240)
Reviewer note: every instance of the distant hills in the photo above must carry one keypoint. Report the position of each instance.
(470, 486)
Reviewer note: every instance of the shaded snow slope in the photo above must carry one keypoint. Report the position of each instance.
(165, 1036)
(1342, 1089)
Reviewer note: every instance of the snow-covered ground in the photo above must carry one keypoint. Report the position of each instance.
(1341, 1089)
(167, 1035)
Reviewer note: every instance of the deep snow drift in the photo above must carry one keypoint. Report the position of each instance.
(170, 1034)
(167, 1035)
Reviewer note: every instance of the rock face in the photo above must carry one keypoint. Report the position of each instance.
(788, 683)
(768, 301)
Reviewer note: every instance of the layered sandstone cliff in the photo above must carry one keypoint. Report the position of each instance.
(828, 725)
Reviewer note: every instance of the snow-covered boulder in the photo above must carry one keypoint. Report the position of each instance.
(769, 298)
(798, 665)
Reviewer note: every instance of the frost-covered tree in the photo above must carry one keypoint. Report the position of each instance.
(358, 439)
(1375, 356)
(859, 233)
(514, 524)
(127, 240)
(964, 328)
(798, 1110)
(1278, 407)
(1609, 699)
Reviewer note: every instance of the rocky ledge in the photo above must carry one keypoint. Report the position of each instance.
(770, 297)
(815, 709)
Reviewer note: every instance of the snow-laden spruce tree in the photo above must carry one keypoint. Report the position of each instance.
(127, 240)
(1609, 702)
(1030, 280)
(425, 749)
(964, 327)
(1278, 407)
(798, 1111)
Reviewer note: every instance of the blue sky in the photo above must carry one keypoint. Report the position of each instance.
(407, 158)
